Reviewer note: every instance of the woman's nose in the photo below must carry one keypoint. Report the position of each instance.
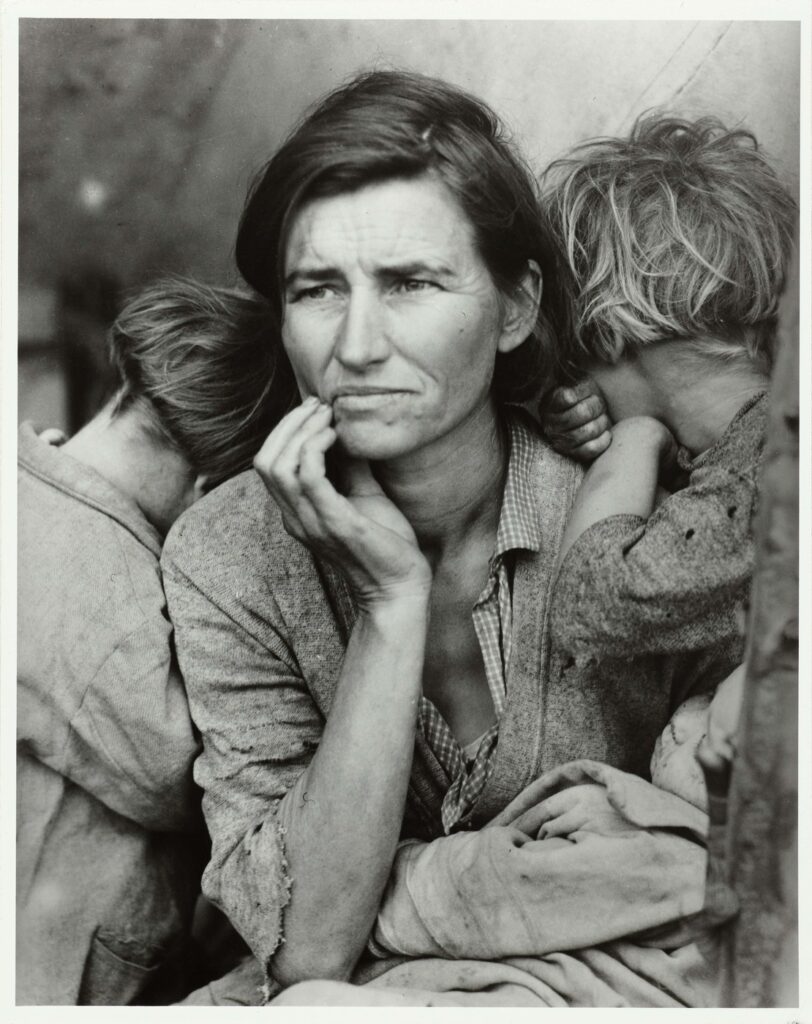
(361, 338)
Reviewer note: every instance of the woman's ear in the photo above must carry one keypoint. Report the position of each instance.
(521, 309)
(200, 487)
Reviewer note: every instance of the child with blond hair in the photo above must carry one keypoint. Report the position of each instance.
(678, 240)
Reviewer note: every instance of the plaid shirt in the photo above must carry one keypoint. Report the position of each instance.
(492, 616)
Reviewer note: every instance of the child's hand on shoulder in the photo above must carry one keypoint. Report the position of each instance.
(575, 421)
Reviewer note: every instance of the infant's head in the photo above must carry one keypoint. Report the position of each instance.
(713, 718)
(674, 766)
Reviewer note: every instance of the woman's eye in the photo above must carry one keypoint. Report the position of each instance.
(415, 284)
(314, 293)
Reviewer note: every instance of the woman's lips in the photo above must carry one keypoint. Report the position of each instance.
(367, 399)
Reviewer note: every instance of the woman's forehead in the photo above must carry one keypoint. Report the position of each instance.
(401, 220)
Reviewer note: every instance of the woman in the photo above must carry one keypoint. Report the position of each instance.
(345, 691)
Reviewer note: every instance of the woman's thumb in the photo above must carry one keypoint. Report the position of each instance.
(358, 479)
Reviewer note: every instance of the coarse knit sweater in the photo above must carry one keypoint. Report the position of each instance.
(261, 628)
(631, 586)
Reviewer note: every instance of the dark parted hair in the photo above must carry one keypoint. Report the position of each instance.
(682, 230)
(203, 364)
(384, 125)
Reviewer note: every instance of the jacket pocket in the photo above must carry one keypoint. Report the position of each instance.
(110, 980)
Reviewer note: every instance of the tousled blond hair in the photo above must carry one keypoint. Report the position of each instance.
(680, 230)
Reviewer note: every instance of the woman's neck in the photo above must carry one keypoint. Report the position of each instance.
(452, 490)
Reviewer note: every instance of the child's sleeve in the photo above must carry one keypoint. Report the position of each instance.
(672, 583)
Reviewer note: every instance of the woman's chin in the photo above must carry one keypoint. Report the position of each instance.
(373, 441)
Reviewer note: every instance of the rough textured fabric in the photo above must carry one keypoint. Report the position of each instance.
(677, 581)
(261, 630)
(605, 917)
(600, 919)
(109, 833)
(502, 892)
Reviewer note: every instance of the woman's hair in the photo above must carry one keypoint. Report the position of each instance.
(681, 230)
(202, 363)
(393, 124)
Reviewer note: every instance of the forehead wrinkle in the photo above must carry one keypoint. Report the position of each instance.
(337, 232)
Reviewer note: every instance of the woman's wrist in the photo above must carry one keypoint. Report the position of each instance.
(397, 604)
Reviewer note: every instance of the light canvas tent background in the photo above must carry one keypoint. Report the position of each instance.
(138, 138)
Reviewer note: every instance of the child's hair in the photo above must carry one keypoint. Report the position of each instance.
(681, 230)
(202, 363)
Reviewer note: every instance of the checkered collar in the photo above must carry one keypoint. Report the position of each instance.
(519, 525)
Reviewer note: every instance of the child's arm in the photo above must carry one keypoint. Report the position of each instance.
(635, 579)
(623, 480)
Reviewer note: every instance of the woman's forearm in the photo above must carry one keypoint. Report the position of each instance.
(343, 816)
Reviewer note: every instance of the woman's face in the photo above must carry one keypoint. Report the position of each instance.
(391, 316)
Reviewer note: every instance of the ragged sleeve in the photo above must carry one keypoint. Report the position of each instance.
(672, 583)
(258, 721)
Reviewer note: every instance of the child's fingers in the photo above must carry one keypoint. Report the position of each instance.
(566, 397)
(590, 450)
(589, 431)
(587, 411)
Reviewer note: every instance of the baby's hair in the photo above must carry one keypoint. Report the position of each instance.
(201, 363)
(681, 230)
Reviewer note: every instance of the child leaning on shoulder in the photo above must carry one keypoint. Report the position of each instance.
(678, 240)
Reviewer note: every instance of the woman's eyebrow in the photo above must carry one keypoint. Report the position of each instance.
(315, 274)
(415, 268)
(411, 268)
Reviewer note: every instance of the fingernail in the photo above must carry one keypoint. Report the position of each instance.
(310, 401)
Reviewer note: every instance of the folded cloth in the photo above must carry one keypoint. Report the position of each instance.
(242, 986)
(586, 890)
(606, 913)
(618, 975)
(501, 892)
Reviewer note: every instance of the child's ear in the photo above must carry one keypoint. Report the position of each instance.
(522, 309)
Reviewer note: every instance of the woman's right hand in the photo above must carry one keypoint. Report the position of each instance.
(361, 532)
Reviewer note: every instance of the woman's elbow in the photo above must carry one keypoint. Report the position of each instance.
(311, 961)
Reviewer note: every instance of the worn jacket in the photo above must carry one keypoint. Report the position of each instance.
(679, 580)
(261, 629)
(109, 836)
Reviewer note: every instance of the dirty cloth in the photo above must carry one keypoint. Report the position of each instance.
(261, 628)
(109, 830)
(607, 917)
